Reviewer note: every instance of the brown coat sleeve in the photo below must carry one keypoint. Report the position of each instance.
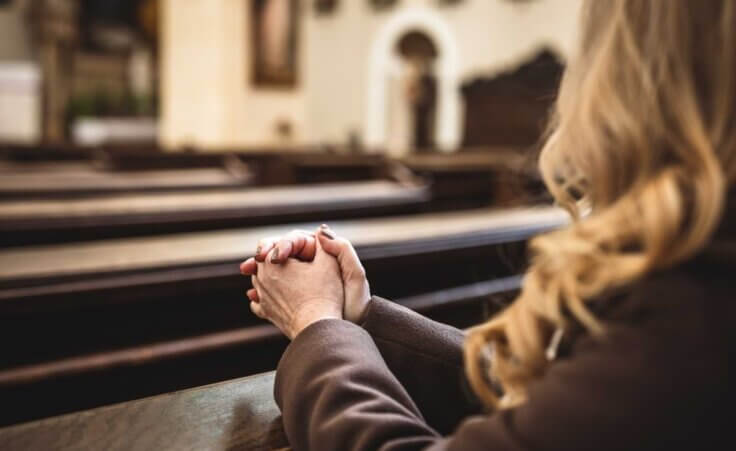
(336, 393)
(413, 346)
(639, 388)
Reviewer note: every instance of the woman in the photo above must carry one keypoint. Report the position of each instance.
(621, 336)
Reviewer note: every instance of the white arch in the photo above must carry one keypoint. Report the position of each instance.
(447, 133)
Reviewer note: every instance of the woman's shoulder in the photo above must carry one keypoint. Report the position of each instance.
(701, 284)
(688, 308)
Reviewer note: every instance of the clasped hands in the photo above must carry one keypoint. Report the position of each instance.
(304, 277)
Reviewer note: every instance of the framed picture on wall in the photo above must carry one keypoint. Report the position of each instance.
(324, 7)
(274, 42)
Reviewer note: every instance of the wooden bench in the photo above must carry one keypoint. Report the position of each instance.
(160, 313)
(65, 182)
(110, 171)
(237, 414)
(480, 177)
(64, 220)
(270, 167)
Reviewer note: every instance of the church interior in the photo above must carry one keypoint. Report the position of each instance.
(147, 145)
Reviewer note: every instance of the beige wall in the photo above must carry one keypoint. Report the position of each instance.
(14, 39)
(20, 95)
(208, 100)
(490, 35)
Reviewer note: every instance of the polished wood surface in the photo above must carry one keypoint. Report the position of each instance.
(84, 219)
(272, 198)
(498, 176)
(486, 158)
(512, 108)
(391, 235)
(237, 414)
(140, 355)
(67, 180)
(156, 314)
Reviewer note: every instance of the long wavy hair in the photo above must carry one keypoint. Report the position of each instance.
(640, 151)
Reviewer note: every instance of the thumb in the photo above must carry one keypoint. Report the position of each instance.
(326, 239)
(357, 291)
(319, 249)
(342, 250)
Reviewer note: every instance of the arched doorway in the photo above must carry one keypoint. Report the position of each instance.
(418, 30)
(414, 93)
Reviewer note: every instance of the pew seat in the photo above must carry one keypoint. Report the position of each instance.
(237, 414)
(66, 182)
(63, 220)
(42, 265)
(501, 177)
(156, 314)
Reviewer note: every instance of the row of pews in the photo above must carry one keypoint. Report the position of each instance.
(133, 296)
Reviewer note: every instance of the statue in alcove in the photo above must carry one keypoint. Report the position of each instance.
(381, 5)
(413, 95)
(325, 7)
(422, 97)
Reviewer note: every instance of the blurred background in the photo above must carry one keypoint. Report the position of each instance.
(146, 146)
(387, 76)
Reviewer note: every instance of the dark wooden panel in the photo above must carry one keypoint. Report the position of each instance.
(498, 176)
(239, 414)
(43, 152)
(512, 108)
(158, 314)
(64, 182)
(64, 220)
(202, 254)
(142, 354)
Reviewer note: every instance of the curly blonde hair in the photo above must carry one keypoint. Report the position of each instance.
(640, 152)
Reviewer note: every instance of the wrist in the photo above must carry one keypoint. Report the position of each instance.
(355, 312)
(308, 317)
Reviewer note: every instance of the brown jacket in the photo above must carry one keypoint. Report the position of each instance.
(659, 379)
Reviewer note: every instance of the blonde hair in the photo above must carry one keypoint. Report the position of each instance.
(640, 152)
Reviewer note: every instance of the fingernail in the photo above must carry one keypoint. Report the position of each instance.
(275, 255)
(258, 250)
(327, 233)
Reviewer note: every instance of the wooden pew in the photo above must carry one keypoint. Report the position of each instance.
(471, 178)
(282, 167)
(65, 181)
(65, 220)
(237, 414)
(155, 314)
(45, 153)
(480, 177)
(269, 167)
(109, 172)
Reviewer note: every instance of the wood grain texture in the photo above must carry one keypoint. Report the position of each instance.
(113, 216)
(157, 204)
(65, 183)
(232, 415)
(141, 355)
(387, 236)
(237, 414)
